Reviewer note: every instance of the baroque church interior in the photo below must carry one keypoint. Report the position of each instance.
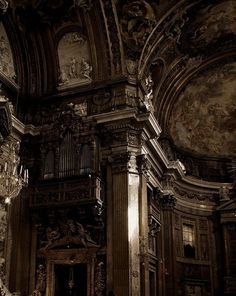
(118, 147)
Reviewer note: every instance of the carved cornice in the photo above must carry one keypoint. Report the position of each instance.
(198, 196)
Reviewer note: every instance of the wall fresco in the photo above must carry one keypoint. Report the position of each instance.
(213, 23)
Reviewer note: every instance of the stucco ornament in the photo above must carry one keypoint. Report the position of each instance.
(137, 21)
(74, 60)
(6, 58)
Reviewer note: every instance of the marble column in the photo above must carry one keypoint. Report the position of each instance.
(125, 251)
(168, 202)
(144, 167)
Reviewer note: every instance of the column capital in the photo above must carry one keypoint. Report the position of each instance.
(168, 201)
(144, 165)
(124, 162)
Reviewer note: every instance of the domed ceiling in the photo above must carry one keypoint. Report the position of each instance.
(203, 119)
(195, 99)
(212, 24)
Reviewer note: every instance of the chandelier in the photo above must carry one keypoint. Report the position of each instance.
(12, 177)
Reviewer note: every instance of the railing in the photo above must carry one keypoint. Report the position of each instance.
(81, 190)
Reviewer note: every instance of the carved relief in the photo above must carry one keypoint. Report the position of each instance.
(63, 233)
(137, 21)
(6, 58)
(148, 97)
(175, 30)
(186, 194)
(124, 162)
(74, 60)
(40, 286)
(168, 201)
(100, 279)
(144, 164)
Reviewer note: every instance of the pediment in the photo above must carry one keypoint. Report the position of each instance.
(69, 242)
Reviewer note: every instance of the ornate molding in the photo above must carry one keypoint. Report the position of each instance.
(144, 165)
(3, 7)
(113, 35)
(168, 201)
(124, 162)
(100, 278)
(82, 190)
(137, 20)
(193, 195)
(41, 276)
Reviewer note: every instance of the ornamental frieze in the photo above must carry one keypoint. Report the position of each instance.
(193, 195)
(89, 189)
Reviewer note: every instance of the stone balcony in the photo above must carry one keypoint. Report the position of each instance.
(83, 190)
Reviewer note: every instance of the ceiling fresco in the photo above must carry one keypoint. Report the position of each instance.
(211, 24)
(203, 120)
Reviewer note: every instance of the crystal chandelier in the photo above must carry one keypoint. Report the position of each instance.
(12, 177)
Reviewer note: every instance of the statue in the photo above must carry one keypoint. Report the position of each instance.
(86, 69)
(73, 68)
